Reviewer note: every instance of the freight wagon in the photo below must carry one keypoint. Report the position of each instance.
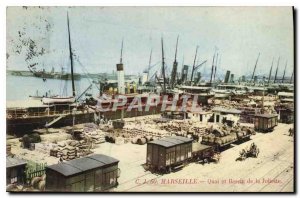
(265, 122)
(92, 173)
(202, 152)
(168, 154)
(174, 152)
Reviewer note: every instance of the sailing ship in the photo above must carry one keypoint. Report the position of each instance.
(24, 116)
(59, 99)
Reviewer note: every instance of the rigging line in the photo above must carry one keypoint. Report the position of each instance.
(88, 75)
(85, 70)
(152, 66)
(83, 67)
(63, 60)
(155, 64)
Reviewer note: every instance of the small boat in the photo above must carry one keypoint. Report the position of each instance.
(35, 97)
(221, 93)
(57, 99)
(40, 97)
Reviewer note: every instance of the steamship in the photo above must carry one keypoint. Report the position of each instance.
(56, 111)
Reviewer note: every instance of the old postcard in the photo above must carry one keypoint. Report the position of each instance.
(150, 99)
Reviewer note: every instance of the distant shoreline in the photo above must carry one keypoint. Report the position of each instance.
(94, 75)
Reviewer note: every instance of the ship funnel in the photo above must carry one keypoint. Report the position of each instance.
(226, 80)
(121, 78)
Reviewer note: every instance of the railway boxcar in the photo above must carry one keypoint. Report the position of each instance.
(168, 153)
(92, 173)
(15, 170)
(265, 122)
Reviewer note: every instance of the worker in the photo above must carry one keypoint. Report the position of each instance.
(291, 132)
(253, 146)
(101, 121)
(61, 160)
(243, 153)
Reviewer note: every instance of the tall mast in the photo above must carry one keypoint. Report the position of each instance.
(276, 70)
(71, 57)
(149, 65)
(284, 72)
(292, 77)
(212, 68)
(175, 60)
(255, 67)
(216, 67)
(163, 65)
(174, 71)
(194, 65)
(182, 64)
(121, 56)
(182, 70)
(270, 71)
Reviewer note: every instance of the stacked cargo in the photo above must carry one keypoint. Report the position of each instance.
(184, 128)
(68, 150)
(244, 131)
(92, 131)
(97, 136)
(224, 135)
(219, 137)
(141, 140)
(134, 135)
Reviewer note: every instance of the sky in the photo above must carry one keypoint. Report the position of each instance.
(237, 34)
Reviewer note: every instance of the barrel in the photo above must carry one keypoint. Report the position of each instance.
(41, 185)
(218, 140)
(43, 177)
(149, 138)
(134, 140)
(112, 140)
(141, 141)
(35, 181)
(222, 133)
(32, 146)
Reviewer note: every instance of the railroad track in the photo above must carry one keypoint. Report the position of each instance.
(267, 168)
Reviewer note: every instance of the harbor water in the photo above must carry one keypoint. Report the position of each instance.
(20, 87)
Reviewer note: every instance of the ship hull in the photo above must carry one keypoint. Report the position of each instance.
(21, 126)
(57, 76)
